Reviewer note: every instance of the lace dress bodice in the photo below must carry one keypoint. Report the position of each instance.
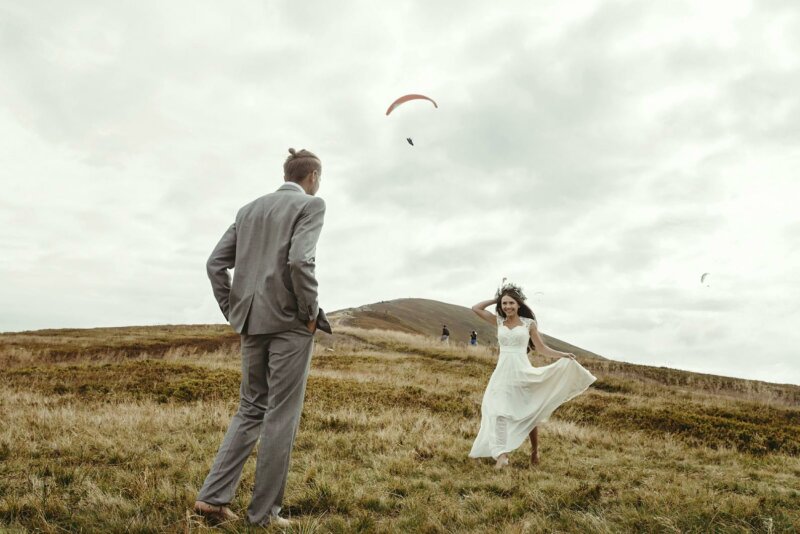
(513, 338)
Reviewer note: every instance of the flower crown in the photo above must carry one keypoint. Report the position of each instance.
(513, 289)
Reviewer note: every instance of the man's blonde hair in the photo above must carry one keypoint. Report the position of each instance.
(300, 164)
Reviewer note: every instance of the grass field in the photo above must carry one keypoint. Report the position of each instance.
(112, 430)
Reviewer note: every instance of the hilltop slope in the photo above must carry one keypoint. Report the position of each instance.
(426, 317)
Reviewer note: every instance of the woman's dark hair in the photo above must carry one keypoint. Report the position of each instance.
(515, 292)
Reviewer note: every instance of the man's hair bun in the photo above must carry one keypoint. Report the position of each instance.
(299, 164)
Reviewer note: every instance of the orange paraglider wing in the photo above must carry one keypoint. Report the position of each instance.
(406, 98)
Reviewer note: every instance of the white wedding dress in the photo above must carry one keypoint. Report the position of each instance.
(520, 396)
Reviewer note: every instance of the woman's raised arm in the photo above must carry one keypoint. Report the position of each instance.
(489, 317)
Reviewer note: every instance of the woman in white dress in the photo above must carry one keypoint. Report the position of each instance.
(520, 396)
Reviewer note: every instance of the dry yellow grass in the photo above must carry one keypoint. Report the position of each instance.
(102, 443)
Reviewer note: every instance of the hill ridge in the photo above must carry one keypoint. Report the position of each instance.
(426, 317)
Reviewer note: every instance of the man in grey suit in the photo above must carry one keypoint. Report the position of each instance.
(272, 303)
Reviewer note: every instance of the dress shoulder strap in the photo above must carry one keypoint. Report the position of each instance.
(499, 320)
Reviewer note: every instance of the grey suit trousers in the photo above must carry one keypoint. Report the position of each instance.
(274, 373)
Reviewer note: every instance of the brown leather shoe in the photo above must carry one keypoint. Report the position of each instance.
(214, 513)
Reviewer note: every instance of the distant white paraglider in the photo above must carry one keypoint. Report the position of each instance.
(704, 277)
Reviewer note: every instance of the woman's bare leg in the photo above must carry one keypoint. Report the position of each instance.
(534, 437)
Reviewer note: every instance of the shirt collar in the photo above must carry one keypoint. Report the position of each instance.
(296, 186)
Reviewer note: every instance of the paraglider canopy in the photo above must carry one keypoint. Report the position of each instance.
(703, 277)
(406, 98)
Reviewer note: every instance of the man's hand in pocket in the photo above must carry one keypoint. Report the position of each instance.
(312, 326)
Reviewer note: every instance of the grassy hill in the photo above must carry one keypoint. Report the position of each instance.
(110, 430)
(426, 317)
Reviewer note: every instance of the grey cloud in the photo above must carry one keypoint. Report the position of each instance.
(72, 81)
(463, 254)
(792, 233)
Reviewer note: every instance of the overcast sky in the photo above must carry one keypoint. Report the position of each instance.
(605, 154)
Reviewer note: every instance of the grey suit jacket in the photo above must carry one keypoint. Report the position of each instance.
(272, 246)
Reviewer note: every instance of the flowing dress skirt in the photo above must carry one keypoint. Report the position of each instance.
(520, 396)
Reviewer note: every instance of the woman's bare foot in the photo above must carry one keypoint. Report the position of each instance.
(534, 458)
(502, 461)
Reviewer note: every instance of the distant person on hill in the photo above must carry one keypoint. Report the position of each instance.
(473, 338)
(272, 303)
(519, 396)
(445, 334)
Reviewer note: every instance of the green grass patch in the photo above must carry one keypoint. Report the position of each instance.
(128, 381)
(747, 427)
